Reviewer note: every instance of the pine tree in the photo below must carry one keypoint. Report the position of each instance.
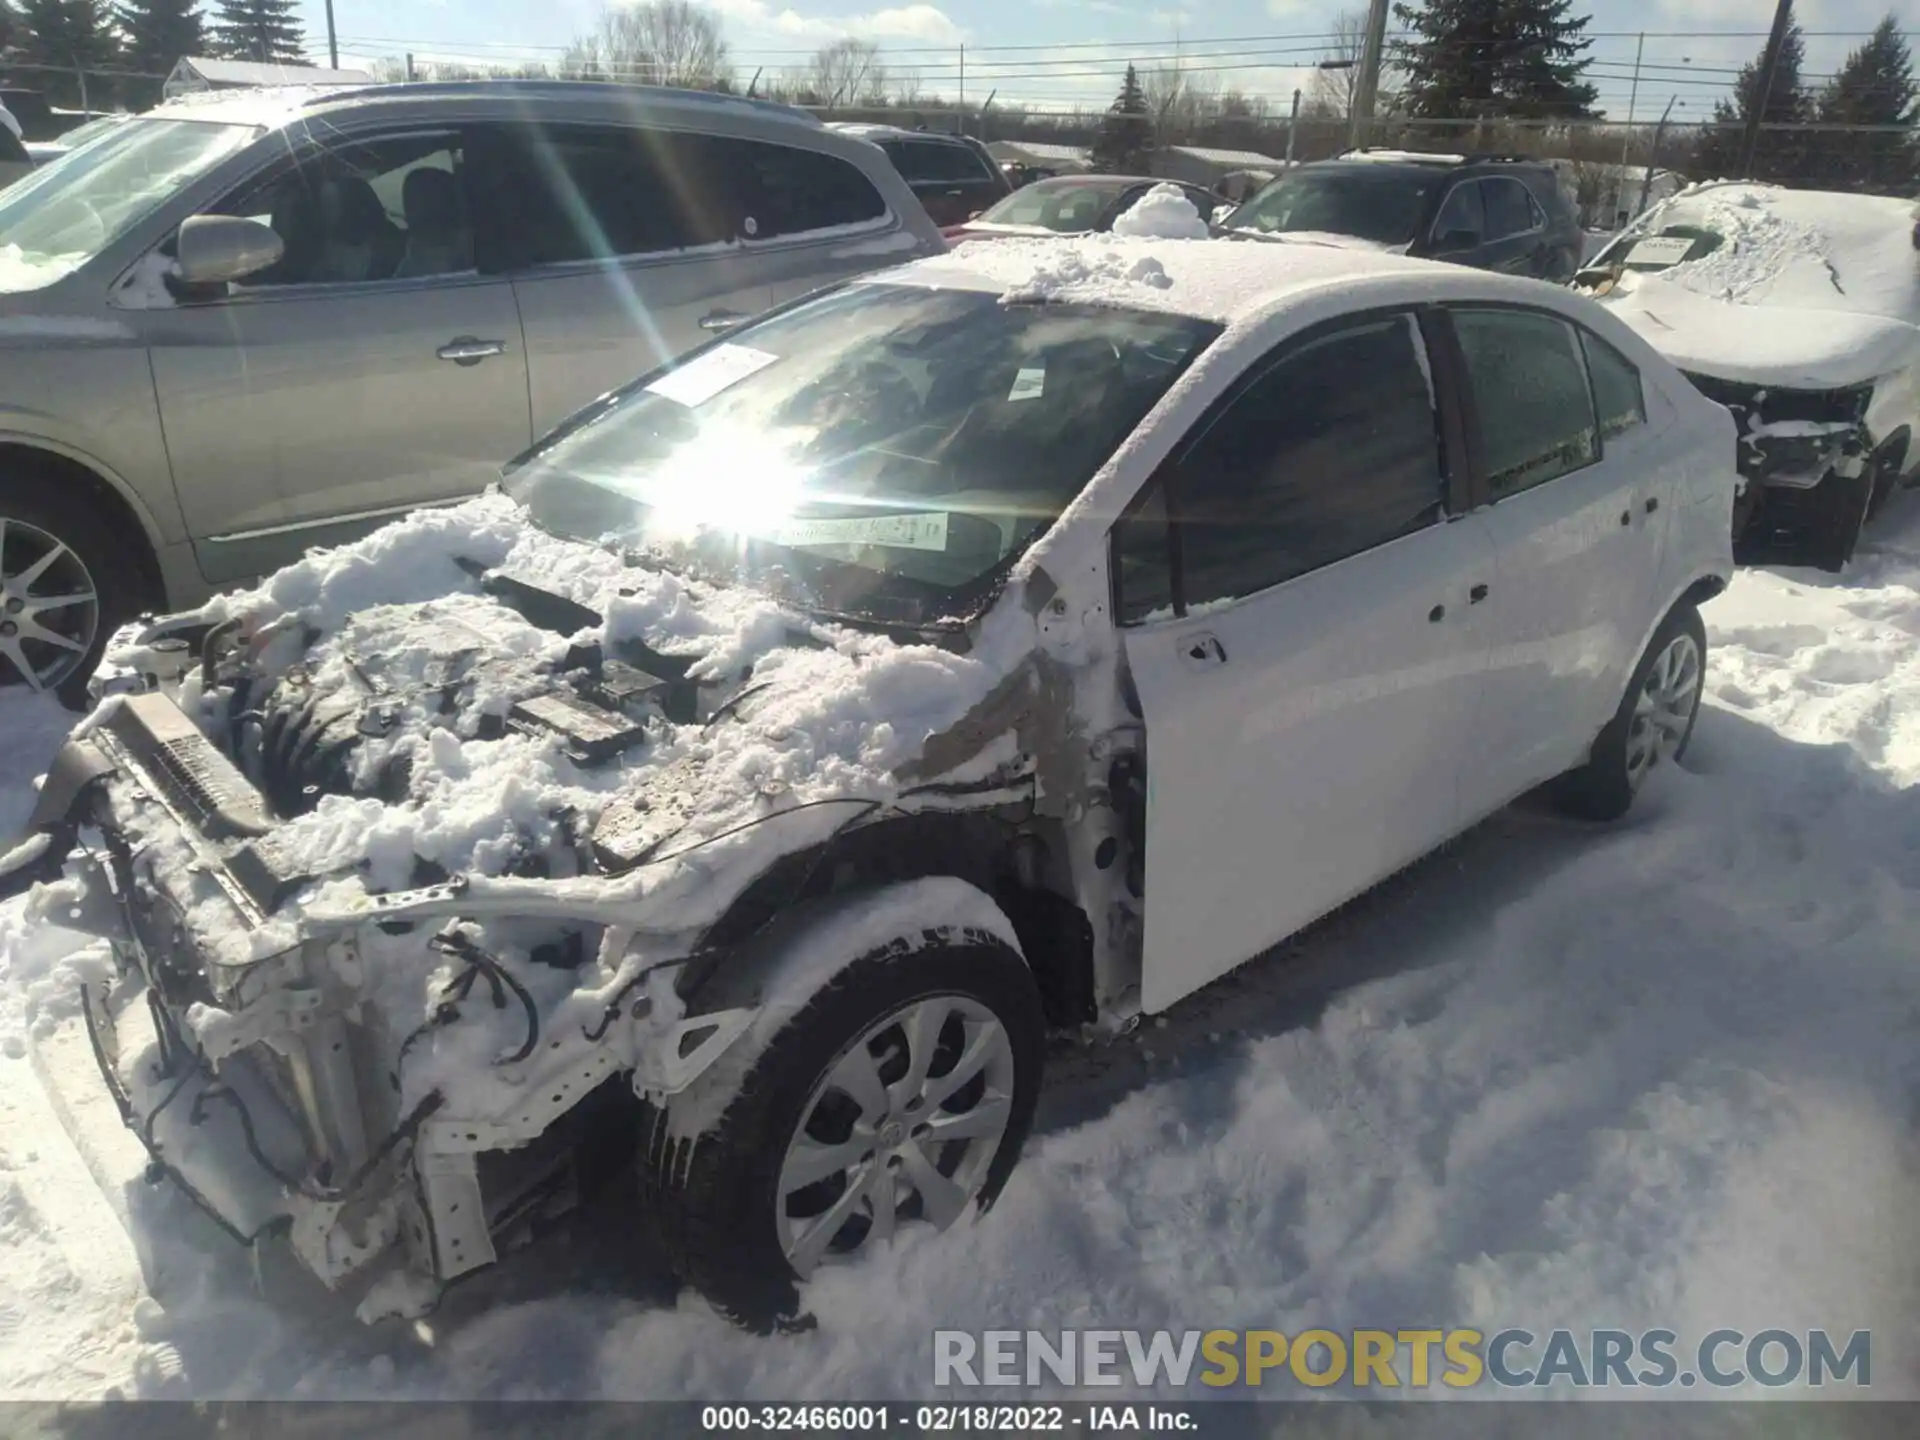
(1874, 87)
(60, 38)
(160, 33)
(1778, 154)
(1494, 59)
(1126, 131)
(264, 30)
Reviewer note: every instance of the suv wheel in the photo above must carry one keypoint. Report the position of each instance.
(898, 1095)
(64, 584)
(1652, 726)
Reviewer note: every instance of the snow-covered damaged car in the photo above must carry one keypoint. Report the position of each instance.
(1799, 310)
(1022, 639)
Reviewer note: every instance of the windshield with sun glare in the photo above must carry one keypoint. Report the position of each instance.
(885, 451)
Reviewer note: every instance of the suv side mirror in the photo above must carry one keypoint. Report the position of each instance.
(212, 249)
(1453, 240)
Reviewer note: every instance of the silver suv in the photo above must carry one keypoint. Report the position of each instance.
(244, 325)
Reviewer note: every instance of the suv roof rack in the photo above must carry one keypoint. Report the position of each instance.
(423, 89)
(1446, 157)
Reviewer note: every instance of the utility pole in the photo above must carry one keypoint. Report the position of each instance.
(1368, 89)
(1769, 68)
(1653, 156)
(1293, 124)
(963, 84)
(1633, 99)
(333, 42)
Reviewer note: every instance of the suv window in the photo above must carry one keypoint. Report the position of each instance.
(1333, 450)
(792, 191)
(1617, 396)
(921, 161)
(1462, 211)
(390, 208)
(1530, 392)
(573, 192)
(1510, 210)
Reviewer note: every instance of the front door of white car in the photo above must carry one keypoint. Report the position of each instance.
(1576, 515)
(1303, 638)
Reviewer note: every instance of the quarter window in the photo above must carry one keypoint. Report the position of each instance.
(1530, 393)
(793, 191)
(1334, 450)
(1463, 211)
(1617, 395)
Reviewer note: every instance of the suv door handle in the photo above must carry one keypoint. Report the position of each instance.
(470, 349)
(1202, 652)
(722, 319)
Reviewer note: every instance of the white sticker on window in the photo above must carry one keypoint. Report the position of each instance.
(1660, 250)
(898, 532)
(705, 376)
(1028, 384)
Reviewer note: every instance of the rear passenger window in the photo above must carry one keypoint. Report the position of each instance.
(1530, 393)
(1509, 208)
(932, 160)
(1334, 450)
(566, 193)
(792, 191)
(1617, 397)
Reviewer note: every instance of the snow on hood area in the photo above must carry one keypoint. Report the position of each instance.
(1660, 1073)
(1846, 262)
(1163, 213)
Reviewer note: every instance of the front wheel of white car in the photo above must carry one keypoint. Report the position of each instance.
(899, 1094)
(1653, 724)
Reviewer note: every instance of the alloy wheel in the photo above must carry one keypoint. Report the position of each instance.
(1663, 710)
(902, 1127)
(49, 607)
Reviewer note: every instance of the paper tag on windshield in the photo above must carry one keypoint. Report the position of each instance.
(1660, 250)
(705, 376)
(1028, 384)
(897, 532)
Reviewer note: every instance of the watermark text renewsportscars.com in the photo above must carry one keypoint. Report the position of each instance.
(1412, 1359)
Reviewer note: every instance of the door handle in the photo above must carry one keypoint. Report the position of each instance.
(722, 319)
(470, 349)
(1436, 614)
(1626, 517)
(1202, 652)
(1476, 594)
(1653, 503)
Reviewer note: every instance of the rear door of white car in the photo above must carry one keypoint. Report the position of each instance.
(1296, 615)
(1577, 517)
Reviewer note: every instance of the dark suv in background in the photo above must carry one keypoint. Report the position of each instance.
(1493, 212)
(954, 176)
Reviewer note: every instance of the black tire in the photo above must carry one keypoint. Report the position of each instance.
(112, 563)
(1604, 787)
(712, 1198)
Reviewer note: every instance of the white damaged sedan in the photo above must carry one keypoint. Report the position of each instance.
(1016, 640)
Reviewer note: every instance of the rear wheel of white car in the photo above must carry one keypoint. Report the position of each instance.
(65, 583)
(1652, 726)
(900, 1094)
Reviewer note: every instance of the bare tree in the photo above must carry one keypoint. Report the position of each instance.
(660, 42)
(849, 71)
(1179, 101)
(1331, 92)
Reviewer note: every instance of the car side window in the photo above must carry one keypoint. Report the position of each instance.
(1507, 213)
(1462, 210)
(931, 161)
(1531, 395)
(1335, 449)
(566, 193)
(1143, 561)
(393, 208)
(1618, 398)
(790, 191)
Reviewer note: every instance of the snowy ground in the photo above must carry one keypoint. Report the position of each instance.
(1662, 1074)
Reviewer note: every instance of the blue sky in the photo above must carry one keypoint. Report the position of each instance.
(1077, 48)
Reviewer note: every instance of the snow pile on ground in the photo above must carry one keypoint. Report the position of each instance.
(1661, 1073)
(1163, 213)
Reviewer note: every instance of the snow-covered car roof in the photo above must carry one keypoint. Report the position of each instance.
(1846, 259)
(1220, 280)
